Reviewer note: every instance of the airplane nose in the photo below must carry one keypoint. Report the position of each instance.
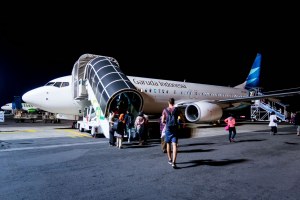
(27, 97)
(32, 97)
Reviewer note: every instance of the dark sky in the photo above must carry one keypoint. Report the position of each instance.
(214, 45)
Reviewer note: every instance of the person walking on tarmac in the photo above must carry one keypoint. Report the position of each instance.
(146, 129)
(273, 123)
(170, 119)
(112, 139)
(139, 125)
(120, 130)
(230, 121)
(297, 122)
(129, 121)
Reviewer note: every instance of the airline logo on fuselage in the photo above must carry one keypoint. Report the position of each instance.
(158, 83)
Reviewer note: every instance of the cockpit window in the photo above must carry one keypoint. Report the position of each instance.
(57, 84)
(65, 84)
(49, 83)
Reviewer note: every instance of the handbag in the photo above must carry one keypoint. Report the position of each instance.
(227, 127)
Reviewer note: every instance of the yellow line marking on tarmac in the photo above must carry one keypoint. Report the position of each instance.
(18, 131)
(8, 132)
(30, 131)
(75, 133)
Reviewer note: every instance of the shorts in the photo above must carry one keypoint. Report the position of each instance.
(171, 137)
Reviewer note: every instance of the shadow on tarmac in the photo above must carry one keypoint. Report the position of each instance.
(195, 150)
(252, 140)
(196, 163)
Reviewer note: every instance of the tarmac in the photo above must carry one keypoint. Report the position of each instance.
(54, 161)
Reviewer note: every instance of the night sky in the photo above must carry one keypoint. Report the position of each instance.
(215, 46)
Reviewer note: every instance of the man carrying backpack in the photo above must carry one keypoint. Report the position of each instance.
(170, 119)
(129, 121)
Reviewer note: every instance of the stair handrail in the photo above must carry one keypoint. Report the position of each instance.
(269, 109)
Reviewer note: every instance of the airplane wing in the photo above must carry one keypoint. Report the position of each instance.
(184, 103)
(210, 110)
(246, 99)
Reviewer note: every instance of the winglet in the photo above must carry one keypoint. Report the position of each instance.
(253, 76)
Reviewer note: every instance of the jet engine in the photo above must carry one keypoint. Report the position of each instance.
(203, 112)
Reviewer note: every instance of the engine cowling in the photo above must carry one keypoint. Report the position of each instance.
(203, 112)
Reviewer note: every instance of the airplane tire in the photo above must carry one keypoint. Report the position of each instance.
(94, 131)
(81, 129)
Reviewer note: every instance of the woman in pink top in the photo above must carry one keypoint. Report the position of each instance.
(230, 121)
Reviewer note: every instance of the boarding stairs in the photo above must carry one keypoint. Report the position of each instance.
(99, 80)
(261, 109)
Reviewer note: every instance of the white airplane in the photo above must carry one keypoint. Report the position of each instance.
(25, 106)
(200, 102)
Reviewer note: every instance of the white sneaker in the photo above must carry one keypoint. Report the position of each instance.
(174, 165)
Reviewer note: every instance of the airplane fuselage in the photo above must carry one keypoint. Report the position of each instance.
(156, 92)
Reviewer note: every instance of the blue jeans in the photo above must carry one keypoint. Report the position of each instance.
(232, 133)
(130, 132)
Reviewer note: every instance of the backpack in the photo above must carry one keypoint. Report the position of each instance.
(117, 125)
(172, 119)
